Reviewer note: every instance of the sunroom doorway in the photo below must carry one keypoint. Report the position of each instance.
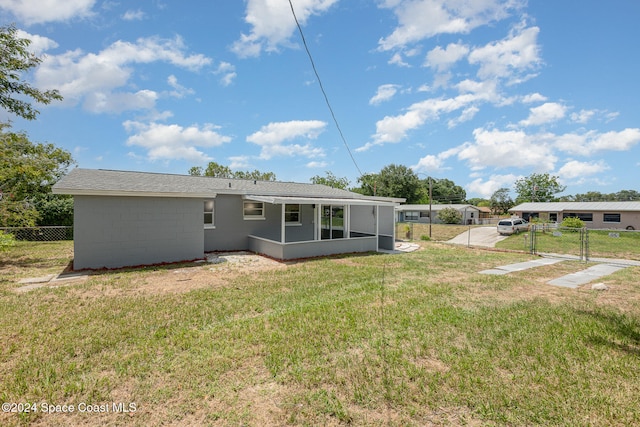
(333, 222)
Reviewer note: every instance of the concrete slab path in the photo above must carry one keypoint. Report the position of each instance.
(579, 278)
(521, 266)
(572, 280)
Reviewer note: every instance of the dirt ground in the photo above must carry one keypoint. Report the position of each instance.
(216, 271)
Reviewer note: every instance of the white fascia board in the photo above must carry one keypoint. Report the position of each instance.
(278, 200)
(116, 193)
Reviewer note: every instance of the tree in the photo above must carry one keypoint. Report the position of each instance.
(450, 216)
(331, 180)
(15, 60)
(501, 201)
(393, 181)
(256, 174)
(538, 187)
(27, 173)
(445, 191)
(479, 201)
(217, 170)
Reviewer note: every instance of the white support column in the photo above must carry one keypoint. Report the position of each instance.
(283, 226)
(378, 228)
(347, 221)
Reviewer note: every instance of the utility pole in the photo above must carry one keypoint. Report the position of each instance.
(430, 198)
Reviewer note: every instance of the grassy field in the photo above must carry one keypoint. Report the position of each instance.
(382, 340)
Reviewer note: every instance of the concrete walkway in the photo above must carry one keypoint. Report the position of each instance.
(572, 280)
(478, 236)
(579, 278)
(510, 268)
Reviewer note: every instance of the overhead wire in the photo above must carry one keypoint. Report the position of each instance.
(324, 93)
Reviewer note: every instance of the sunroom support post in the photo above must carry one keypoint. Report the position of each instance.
(283, 229)
(378, 228)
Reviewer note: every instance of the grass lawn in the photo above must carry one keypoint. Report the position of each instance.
(602, 243)
(381, 340)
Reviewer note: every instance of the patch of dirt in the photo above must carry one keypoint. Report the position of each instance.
(219, 270)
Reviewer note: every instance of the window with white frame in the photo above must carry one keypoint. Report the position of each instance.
(292, 214)
(253, 210)
(411, 215)
(208, 214)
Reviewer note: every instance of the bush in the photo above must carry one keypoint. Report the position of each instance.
(425, 237)
(450, 216)
(6, 241)
(572, 222)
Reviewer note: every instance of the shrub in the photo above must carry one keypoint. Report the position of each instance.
(572, 222)
(6, 241)
(450, 216)
(425, 237)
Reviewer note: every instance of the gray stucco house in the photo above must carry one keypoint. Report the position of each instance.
(420, 213)
(138, 218)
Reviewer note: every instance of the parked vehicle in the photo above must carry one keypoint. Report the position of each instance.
(512, 226)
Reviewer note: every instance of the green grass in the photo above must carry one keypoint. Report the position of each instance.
(412, 339)
(625, 244)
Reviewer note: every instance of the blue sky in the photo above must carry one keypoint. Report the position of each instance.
(481, 92)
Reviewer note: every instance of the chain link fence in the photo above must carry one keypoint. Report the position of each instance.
(40, 234)
(585, 243)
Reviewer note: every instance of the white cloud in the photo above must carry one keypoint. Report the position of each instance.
(397, 59)
(385, 93)
(545, 113)
(466, 115)
(178, 91)
(273, 24)
(239, 162)
(171, 142)
(592, 142)
(393, 129)
(40, 11)
(271, 138)
(420, 19)
(316, 165)
(533, 97)
(96, 77)
(115, 102)
(227, 72)
(504, 149)
(583, 116)
(443, 59)
(575, 169)
(133, 15)
(517, 53)
(39, 44)
(486, 188)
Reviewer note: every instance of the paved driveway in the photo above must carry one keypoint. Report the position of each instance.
(480, 236)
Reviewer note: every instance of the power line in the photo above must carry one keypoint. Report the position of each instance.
(326, 98)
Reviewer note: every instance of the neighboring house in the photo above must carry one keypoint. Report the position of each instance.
(620, 215)
(137, 218)
(420, 213)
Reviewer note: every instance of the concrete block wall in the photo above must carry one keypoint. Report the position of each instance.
(115, 232)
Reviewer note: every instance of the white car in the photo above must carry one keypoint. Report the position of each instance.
(512, 226)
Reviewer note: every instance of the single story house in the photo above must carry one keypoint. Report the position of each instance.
(616, 215)
(137, 218)
(420, 213)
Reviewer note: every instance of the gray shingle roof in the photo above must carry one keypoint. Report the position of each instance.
(576, 206)
(110, 182)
